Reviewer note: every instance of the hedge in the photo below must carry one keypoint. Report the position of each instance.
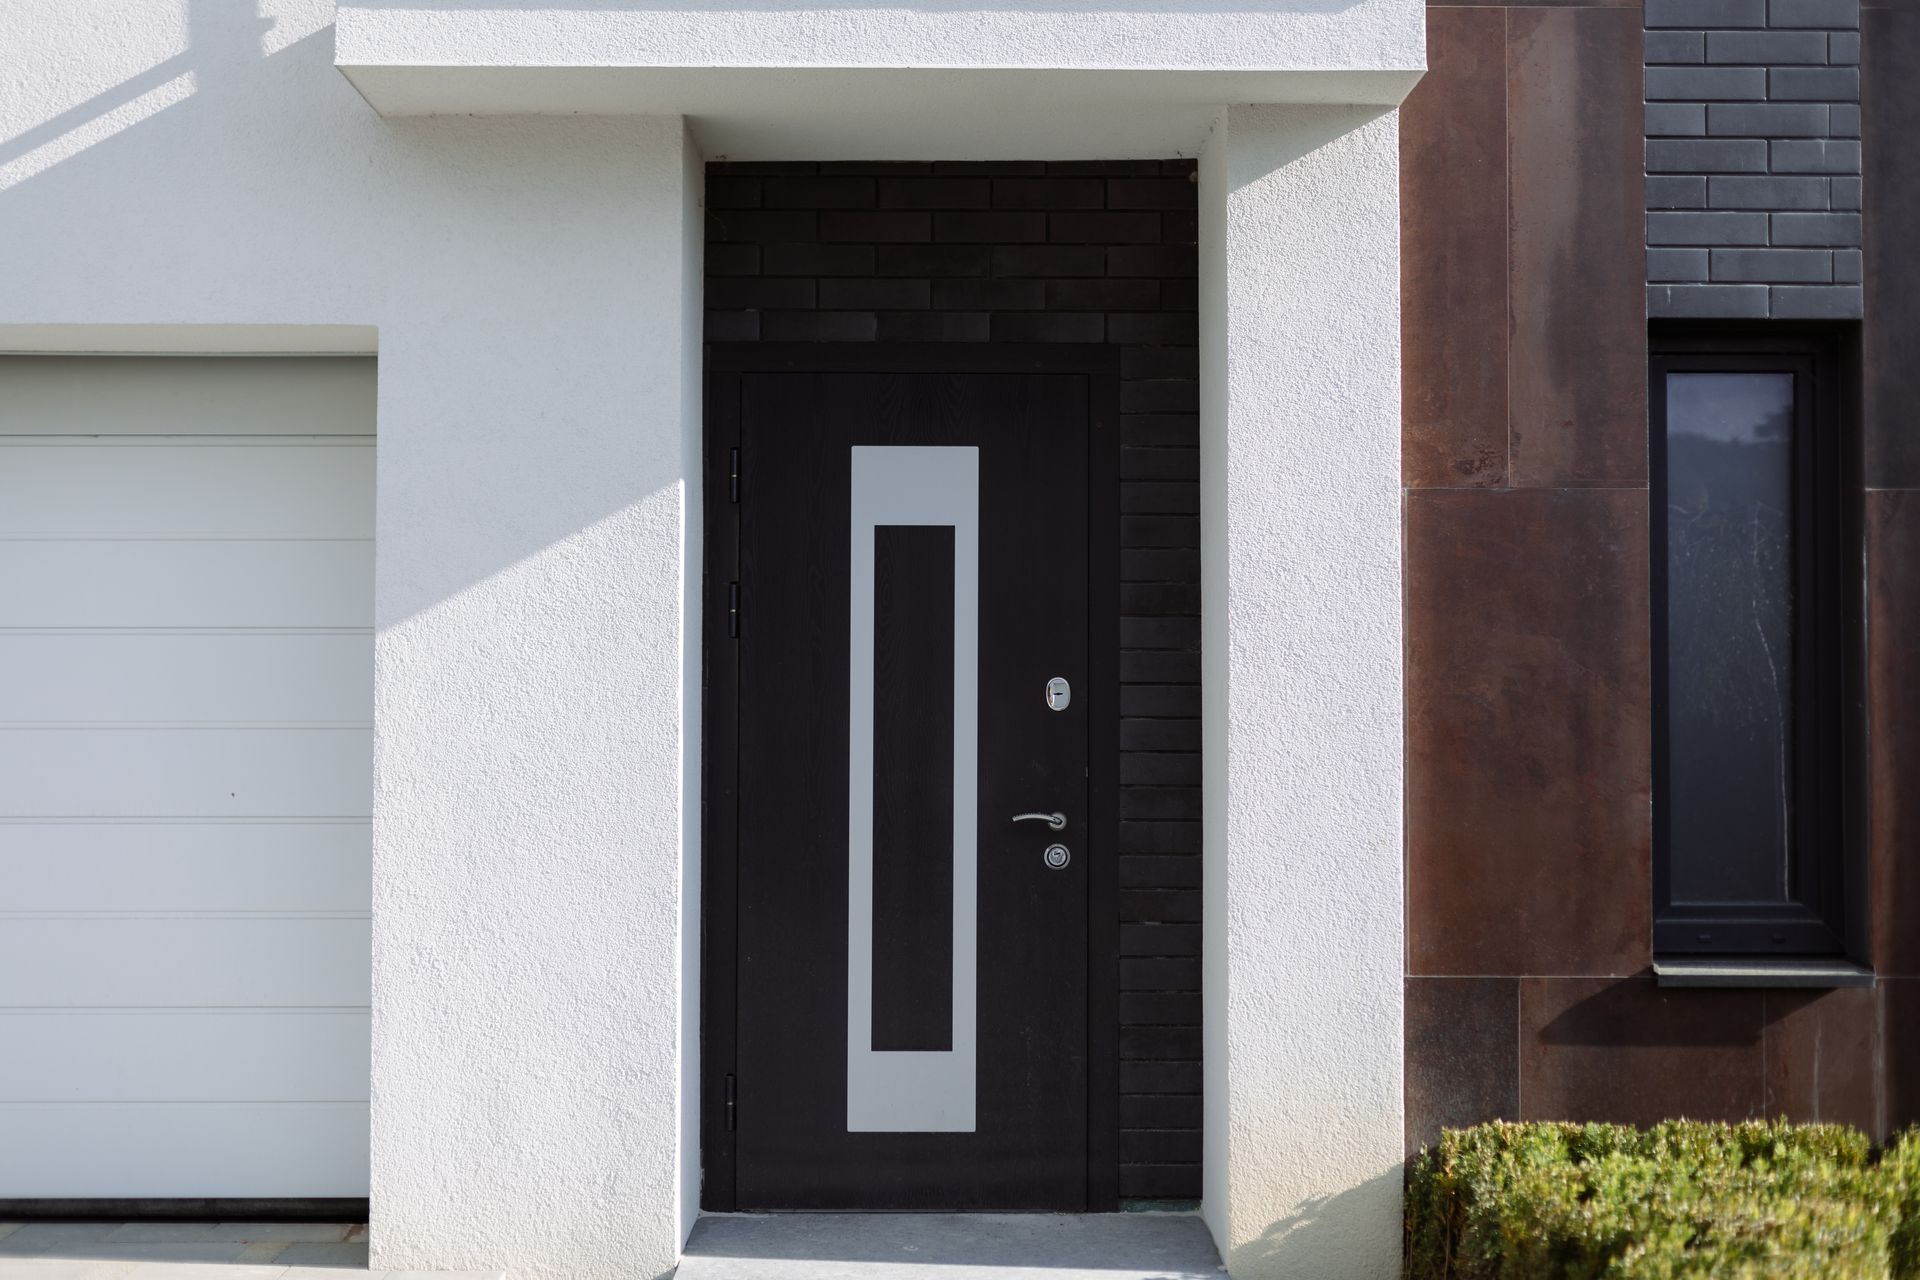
(1682, 1199)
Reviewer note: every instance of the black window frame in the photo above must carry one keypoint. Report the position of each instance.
(1822, 918)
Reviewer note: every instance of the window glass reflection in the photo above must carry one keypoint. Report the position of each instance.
(1729, 634)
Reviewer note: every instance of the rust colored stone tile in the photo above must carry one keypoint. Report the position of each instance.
(1453, 255)
(1463, 1054)
(1889, 121)
(1528, 732)
(1576, 297)
(1893, 727)
(1900, 1030)
(1821, 1047)
(1626, 1051)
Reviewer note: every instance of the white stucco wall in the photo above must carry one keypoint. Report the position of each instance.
(196, 175)
(169, 164)
(1300, 534)
(1161, 35)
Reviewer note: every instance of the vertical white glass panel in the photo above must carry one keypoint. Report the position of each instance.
(911, 1091)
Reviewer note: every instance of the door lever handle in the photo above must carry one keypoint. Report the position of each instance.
(1057, 821)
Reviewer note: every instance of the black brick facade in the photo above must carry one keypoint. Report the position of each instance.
(1082, 252)
(1753, 159)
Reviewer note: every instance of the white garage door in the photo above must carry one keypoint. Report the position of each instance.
(186, 609)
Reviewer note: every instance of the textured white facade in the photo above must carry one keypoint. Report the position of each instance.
(852, 81)
(1300, 552)
(180, 163)
(197, 175)
(1151, 35)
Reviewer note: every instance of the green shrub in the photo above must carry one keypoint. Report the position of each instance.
(1900, 1171)
(1753, 1201)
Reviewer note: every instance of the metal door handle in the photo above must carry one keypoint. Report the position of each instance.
(1058, 821)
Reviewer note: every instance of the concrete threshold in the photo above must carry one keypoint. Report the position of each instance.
(951, 1246)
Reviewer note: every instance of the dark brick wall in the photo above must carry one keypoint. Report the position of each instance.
(1753, 159)
(1024, 253)
(1528, 676)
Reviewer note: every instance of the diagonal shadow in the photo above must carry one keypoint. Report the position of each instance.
(217, 33)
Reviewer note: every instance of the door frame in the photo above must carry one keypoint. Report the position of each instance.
(726, 363)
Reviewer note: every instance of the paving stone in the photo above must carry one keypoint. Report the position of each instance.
(310, 1256)
(198, 1252)
(205, 1271)
(293, 1232)
(263, 1251)
(35, 1237)
(44, 1268)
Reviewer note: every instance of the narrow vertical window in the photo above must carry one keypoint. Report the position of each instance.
(1747, 612)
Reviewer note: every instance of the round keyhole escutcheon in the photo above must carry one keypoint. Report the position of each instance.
(1056, 857)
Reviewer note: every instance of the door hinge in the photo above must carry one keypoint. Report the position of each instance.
(733, 473)
(733, 1098)
(733, 610)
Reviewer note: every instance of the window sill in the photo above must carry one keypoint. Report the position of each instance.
(1727, 971)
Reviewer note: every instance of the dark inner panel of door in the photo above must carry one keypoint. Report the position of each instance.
(929, 532)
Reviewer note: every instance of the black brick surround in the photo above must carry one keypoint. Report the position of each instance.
(1100, 252)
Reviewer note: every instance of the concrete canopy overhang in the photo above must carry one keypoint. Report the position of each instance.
(770, 80)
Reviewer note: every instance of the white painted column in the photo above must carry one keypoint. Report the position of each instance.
(1300, 532)
(537, 761)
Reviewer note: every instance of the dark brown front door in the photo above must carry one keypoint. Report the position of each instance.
(911, 634)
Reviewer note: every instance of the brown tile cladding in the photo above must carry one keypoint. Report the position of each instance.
(1576, 244)
(1822, 1048)
(1893, 712)
(1527, 670)
(1453, 270)
(1527, 732)
(1463, 1054)
(1889, 122)
(1043, 252)
(1900, 1027)
(1624, 1050)
(1628, 1051)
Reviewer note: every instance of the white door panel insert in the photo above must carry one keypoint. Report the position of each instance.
(919, 1091)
